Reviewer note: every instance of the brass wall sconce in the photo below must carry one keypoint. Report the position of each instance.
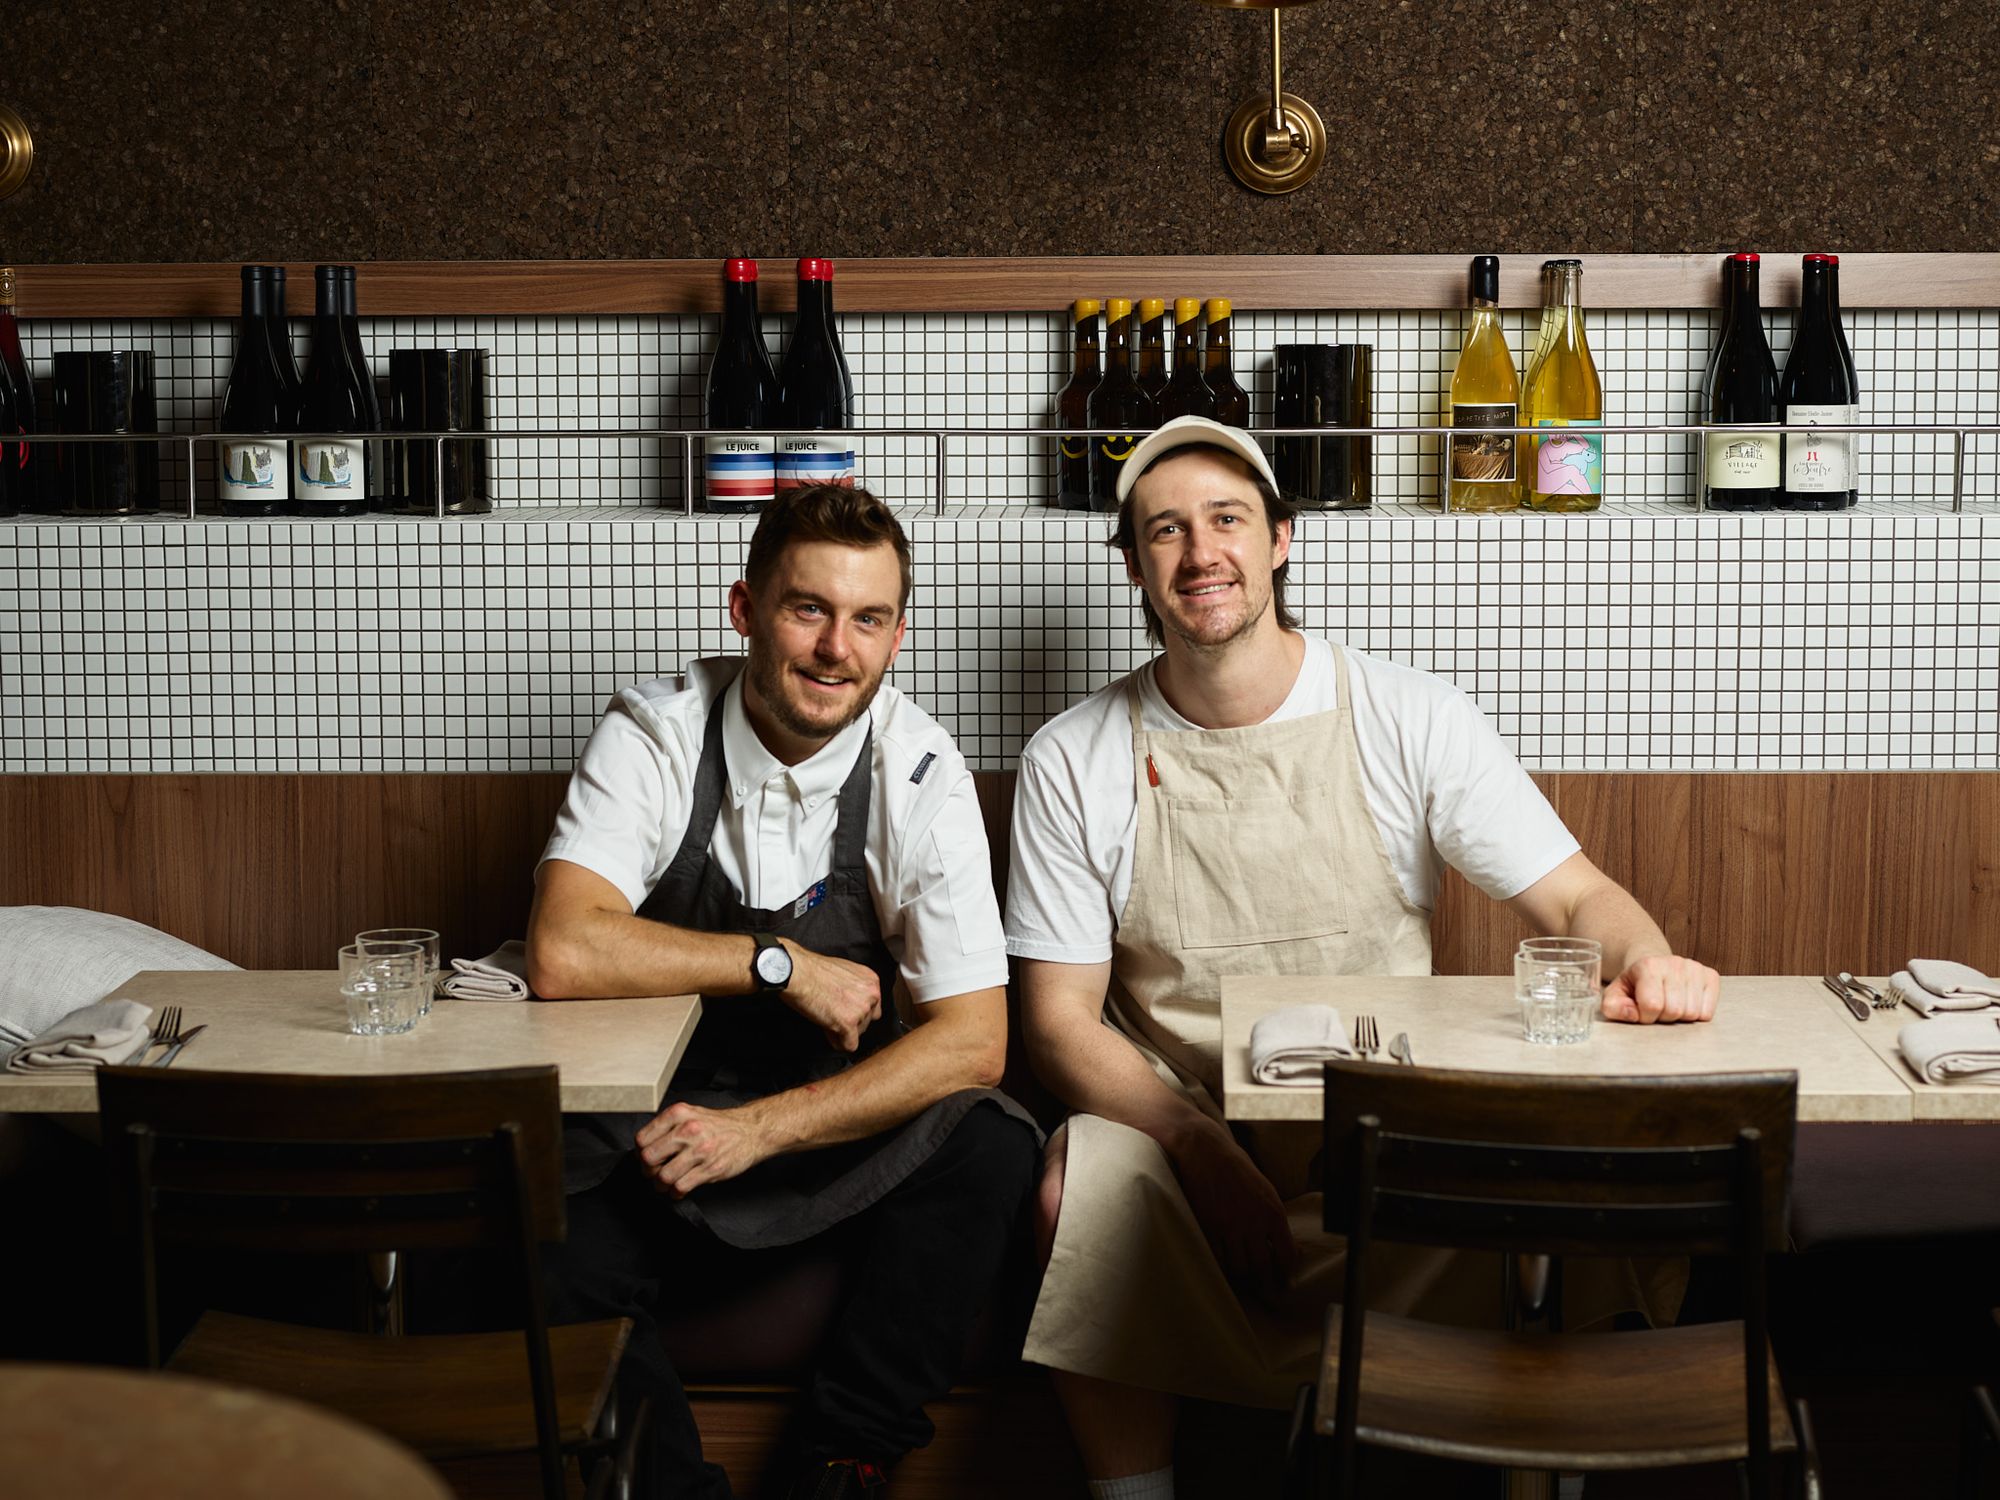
(17, 151)
(1274, 142)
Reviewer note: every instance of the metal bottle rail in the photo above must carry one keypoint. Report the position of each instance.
(939, 437)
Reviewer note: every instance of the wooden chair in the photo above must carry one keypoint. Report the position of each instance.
(1557, 1166)
(449, 1161)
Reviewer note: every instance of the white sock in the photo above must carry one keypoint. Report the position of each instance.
(1158, 1485)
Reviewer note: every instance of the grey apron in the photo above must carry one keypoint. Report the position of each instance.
(748, 1046)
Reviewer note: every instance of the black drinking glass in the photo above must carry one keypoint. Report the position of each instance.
(105, 390)
(438, 390)
(1323, 385)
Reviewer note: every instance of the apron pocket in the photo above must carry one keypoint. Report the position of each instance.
(1256, 870)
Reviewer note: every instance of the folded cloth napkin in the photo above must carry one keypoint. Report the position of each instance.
(501, 975)
(108, 1032)
(1929, 1000)
(1943, 977)
(1953, 1049)
(1289, 1045)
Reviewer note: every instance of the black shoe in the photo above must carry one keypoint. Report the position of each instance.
(838, 1479)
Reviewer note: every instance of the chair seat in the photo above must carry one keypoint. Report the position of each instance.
(1651, 1399)
(445, 1395)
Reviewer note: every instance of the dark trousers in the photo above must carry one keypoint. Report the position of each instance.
(919, 1266)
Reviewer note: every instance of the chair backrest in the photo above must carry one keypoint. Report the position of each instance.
(1583, 1166)
(262, 1161)
(1603, 1166)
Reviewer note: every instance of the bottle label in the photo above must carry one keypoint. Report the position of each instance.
(1743, 461)
(741, 470)
(815, 458)
(1570, 464)
(1118, 446)
(1482, 457)
(1822, 463)
(258, 471)
(331, 471)
(1074, 447)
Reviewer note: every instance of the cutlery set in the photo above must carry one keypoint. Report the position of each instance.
(1860, 997)
(167, 1033)
(1368, 1041)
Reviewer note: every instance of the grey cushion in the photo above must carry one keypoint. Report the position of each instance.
(58, 959)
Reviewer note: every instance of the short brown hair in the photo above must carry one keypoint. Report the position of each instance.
(1276, 508)
(839, 513)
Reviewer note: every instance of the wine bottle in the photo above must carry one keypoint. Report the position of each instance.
(1073, 407)
(22, 464)
(334, 464)
(1551, 321)
(350, 332)
(1819, 386)
(11, 485)
(1566, 473)
(1187, 394)
(1742, 470)
(255, 477)
(742, 394)
(1482, 469)
(280, 329)
(1232, 402)
(1117, 405)
(1151, 367)
(815, 388)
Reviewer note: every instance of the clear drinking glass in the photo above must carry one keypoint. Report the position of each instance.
(423, 937)
(1556, 984)
(383, 985)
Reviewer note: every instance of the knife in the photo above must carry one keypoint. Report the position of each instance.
(167, 1058)
(1851, 1000)
(1399, 1048)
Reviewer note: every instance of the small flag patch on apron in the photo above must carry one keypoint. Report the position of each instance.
(809, 900)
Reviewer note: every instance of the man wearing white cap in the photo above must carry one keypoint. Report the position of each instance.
(1254, 800)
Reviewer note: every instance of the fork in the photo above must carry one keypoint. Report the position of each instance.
(1367, 1039)
(166, 1030)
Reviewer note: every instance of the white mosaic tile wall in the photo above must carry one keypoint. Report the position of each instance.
(1644, 637)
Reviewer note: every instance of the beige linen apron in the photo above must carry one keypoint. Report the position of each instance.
(1256, 853)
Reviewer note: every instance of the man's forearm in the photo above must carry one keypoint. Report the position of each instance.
(889, 1087)
(1608, 913)
(600, 954)
(1096, 1071)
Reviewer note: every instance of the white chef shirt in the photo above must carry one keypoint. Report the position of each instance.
(929, 872)
(1436, 776)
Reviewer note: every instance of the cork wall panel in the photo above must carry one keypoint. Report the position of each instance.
(416, 129)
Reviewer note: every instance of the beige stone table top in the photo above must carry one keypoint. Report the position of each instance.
(1929, 1101)
(613, 1054)
(1762, 1022)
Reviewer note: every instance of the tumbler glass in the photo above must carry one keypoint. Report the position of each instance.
(393, 938)
(383, 986)
(1556, 985)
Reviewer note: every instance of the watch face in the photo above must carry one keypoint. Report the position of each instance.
(774, 965)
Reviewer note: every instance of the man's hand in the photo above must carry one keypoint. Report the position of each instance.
(1662, 989)
(684, 1146)
(838, 996)
(1238, 1210)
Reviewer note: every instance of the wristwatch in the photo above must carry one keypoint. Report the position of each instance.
(770, 964)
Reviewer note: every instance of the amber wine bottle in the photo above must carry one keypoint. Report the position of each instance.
(1567, 472)
(1482, 469)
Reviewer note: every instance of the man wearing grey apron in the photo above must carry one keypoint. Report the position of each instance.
(1252, 801)
(789, 838)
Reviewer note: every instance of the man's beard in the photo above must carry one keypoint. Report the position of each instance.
(771, 678)
(1202, 643)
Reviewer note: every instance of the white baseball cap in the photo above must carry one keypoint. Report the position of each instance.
(1185, 432)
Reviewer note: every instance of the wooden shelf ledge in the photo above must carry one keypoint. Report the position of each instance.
(1026, 284)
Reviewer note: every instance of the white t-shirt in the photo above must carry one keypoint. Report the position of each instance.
(1439, 781)
(929, 871)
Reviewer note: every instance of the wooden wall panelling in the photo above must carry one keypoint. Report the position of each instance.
(206, 858)
(973, 284)
(1933, 867)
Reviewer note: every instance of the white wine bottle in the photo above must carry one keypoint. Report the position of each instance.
(1482, 470)
(1551, 321)
(1563, 391)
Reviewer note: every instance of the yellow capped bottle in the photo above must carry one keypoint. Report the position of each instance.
(1482, 468)
(1117, 405)
(1187, 394)
(1232, 402)
(1566, 472)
